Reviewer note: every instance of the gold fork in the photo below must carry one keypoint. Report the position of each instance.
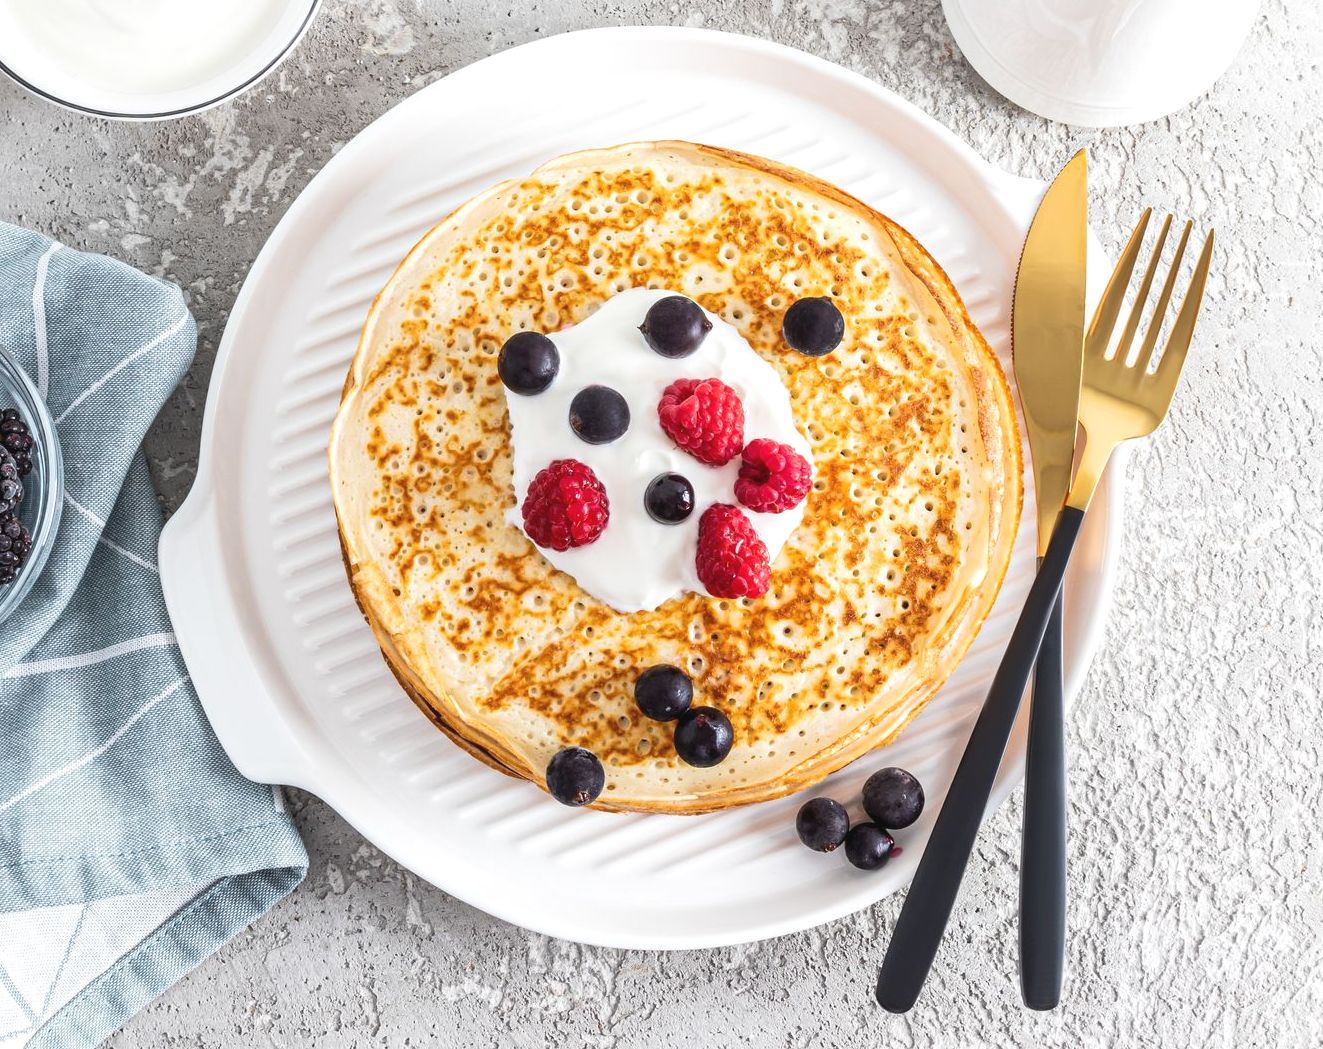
(1121, 399)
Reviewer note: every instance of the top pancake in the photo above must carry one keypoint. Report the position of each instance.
(875, 598)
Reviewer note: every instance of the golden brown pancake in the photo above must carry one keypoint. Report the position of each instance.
(875, 598)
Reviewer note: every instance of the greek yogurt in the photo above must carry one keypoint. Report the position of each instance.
(145, 57)
(638, 563)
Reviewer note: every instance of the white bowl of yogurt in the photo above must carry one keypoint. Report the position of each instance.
(146, 59)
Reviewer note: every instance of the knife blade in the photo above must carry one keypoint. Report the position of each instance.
(1047, 333)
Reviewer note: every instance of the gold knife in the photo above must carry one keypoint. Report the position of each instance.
(1047, 335)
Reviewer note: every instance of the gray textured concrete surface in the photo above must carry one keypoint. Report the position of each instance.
(1196, 889)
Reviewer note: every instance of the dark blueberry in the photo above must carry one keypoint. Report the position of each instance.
(598, 414)
(675, 326)
(813, 326)
(15, 544)
(575, 776)
(703, 737)
(16, 438)
(663, 692)
(669, 498)
(528, 363)
(893, 798)
(868, 846)
(822, 824)
(15, 539)
(11, 483)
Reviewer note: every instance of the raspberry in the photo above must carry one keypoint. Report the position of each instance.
(732, 560)
(705, 418)
(565, 506)
(773, 477)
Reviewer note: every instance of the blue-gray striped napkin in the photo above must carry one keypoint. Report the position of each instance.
(130, 848)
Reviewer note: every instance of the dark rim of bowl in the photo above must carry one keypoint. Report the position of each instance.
(166, 114)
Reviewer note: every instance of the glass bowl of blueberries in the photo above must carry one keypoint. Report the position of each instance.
(31, 484)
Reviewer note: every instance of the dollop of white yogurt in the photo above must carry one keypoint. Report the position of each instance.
(139, 47)
(638, 563)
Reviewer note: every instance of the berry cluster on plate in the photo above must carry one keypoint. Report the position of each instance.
(703, 735)
(16, 443)
(567, 506)
(893, 799)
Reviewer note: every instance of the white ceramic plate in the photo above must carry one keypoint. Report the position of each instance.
(289, 673)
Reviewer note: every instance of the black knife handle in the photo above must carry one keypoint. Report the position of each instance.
(1043, 847)
(930, 899)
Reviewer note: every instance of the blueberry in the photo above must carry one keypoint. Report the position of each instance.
(663, 692)
(703, 737)
(669, 498)
(813, 326)
(16, 446)
(575, 776)
(14, 534)
(15, 544)
(822, 824)
(16, 438)
(11, 482)
(598, 414)
(675, 326)
(868, 846)
(893, 798)
(528, 363)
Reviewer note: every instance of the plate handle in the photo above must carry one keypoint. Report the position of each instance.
(1020, 195)
(229, 666)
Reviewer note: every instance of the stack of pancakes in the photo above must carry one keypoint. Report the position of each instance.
(875, 598)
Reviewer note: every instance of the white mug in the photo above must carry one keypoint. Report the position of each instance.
(1100, 63)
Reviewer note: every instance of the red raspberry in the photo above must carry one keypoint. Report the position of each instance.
(773, 477)
(705, 418)
(732, 560)
(565, 506)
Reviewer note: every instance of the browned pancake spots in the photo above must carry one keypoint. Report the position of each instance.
(860, 584)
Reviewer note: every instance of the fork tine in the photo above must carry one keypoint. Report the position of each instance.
(1178, 342)
(1141, 296)
(1109, 307)
(1145, 357)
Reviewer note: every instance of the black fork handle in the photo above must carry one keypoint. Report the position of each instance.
(930, 899)
(1043, 847)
